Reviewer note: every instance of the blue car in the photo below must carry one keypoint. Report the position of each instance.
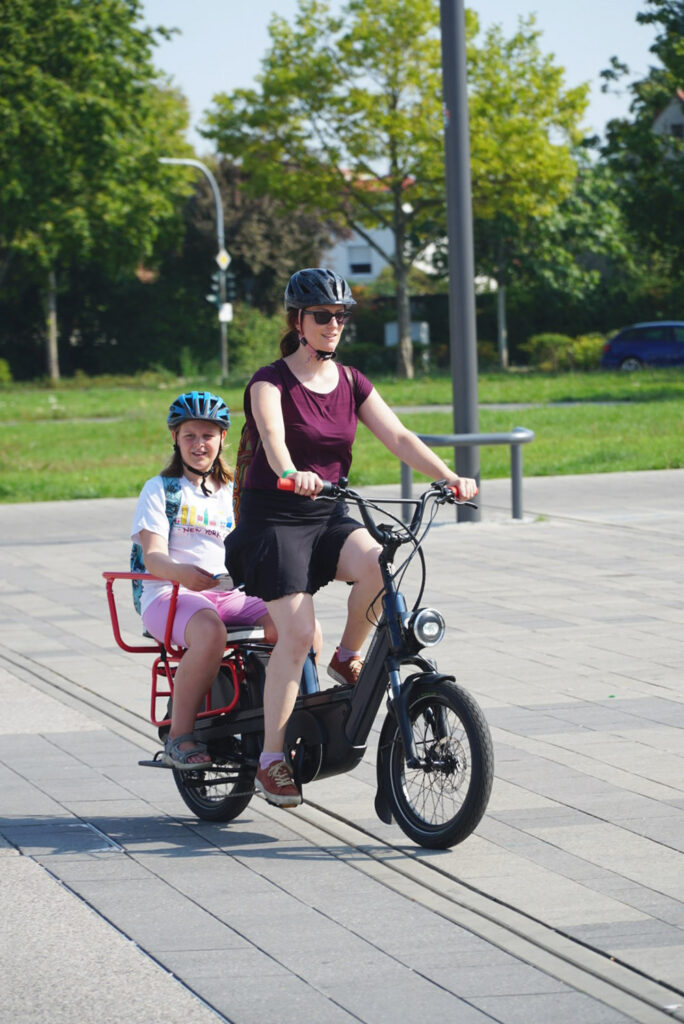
(659, 343)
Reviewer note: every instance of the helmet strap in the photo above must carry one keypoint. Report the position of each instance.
(319, 354)
(322, 356)
(199, 472)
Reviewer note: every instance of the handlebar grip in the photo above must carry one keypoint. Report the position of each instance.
(456, 493)
(287, 484)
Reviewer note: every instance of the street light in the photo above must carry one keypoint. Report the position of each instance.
(462, 330)
(222, 257)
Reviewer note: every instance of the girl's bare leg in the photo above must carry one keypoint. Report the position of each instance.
(205, 639)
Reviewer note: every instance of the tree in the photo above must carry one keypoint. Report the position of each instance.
(575, 265)
(649, 166)
(265, 238)
(348, 120)
(576, 248)
(524, 126)
(349, 113)
(83, 119)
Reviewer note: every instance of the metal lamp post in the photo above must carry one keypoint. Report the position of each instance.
(222, 257)
(462, 330)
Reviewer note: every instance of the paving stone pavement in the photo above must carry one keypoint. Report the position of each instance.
(117, 904)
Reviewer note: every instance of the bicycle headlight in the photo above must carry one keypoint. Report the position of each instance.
(428, 626)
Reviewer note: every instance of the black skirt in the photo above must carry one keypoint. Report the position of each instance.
(286, 544)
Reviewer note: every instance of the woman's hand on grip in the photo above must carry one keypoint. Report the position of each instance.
(467, 487)
(306, 483)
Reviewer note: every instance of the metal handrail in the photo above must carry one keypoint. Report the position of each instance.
(515, 438)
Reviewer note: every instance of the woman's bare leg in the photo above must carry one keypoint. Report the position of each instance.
(295, 623)
(358, 561)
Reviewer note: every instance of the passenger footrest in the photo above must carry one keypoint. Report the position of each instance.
(156, 763)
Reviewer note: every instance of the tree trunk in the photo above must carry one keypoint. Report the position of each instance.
(501, 326)
(404, 343)
(52, 350)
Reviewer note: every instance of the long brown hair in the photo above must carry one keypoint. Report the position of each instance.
(221, 472)
(289, 342)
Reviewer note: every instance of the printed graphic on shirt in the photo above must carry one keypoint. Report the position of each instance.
(191, 520)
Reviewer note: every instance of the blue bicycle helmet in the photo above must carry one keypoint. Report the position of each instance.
(198, 405)
(316, 286)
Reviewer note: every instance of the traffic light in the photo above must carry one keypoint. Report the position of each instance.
(215, 297)
(231, 286)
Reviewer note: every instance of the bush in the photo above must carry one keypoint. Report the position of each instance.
(553, 352)
(586, 351)
(549, 351)
(5, 373)
(253, 340)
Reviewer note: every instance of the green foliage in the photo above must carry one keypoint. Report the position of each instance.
(82, 121)
(586, 351)
(267, 238)
(549, 351)
(254, 340)
(523, 126)
(348, 121)
(554, 352)
(5, 373)
(524, 129)
(648, 164)
(348, 118)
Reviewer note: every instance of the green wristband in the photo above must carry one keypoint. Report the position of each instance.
(288, 472)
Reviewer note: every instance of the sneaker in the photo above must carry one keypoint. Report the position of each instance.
(277, 785)
(346, 672)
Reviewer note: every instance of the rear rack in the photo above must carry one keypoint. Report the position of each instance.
(168, 655)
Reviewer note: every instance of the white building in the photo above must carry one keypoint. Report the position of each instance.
(355, 259)
(670, 120)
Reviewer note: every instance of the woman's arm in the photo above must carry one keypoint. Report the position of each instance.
(388, 428)
(267, 411)
(158, 562)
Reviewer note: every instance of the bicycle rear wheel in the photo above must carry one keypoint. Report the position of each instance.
(219, 794)
(440, 804)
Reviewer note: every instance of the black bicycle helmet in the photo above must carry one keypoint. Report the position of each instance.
(198, 405)
(316, 286)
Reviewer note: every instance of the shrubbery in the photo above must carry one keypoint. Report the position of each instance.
(554, 352)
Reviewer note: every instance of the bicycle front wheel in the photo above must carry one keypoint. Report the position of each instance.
(439, 804)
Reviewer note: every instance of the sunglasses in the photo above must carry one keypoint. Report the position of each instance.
(323, 316)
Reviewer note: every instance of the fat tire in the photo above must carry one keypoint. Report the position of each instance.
(206, 802)
(443, 810)
(226, 801)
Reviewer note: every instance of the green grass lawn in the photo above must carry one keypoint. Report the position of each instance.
(92, 441)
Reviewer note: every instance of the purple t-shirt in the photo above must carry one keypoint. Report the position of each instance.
(319, 429)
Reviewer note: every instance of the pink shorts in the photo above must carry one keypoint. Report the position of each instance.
(233, 607)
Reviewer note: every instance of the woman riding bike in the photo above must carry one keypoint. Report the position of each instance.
(302, 413)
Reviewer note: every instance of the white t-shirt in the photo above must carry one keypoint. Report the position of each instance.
(199, 529)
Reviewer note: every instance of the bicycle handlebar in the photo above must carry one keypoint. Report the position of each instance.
(440, 490)
(331, 490)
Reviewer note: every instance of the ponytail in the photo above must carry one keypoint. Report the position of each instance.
(289, 342)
